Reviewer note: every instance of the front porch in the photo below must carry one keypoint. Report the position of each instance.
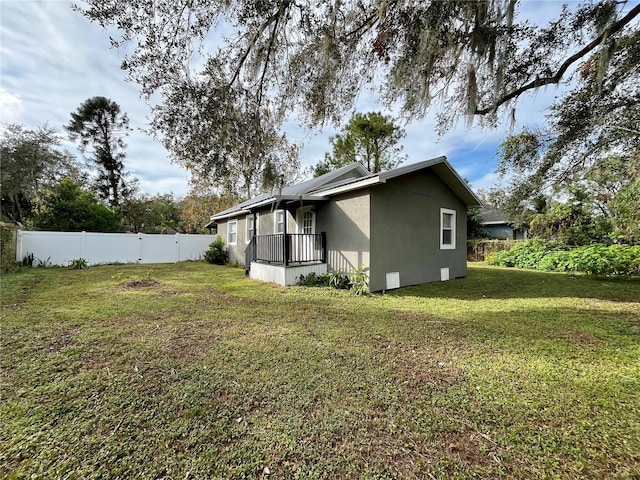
(281, 258)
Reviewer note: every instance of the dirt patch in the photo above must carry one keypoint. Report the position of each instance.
(581, 338)
(470, 447)
(141, 284)
(60, 342)
(170, 294)
(635, 327)
(225, 297)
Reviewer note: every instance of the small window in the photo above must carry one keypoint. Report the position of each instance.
(307, 222)
(447, 229)
(278, 221)
(232, 232)
(249, 222)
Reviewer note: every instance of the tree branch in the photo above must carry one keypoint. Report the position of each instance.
(554, 79)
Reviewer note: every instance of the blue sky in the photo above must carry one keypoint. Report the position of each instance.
(52, 59)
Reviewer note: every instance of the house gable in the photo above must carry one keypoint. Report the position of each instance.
(406, 213)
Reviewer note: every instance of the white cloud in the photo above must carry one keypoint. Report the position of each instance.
(10, 106)
(53, 59)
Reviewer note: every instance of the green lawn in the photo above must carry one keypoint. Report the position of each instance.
(206, 374)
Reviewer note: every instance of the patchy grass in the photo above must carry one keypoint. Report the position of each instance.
(197, 372)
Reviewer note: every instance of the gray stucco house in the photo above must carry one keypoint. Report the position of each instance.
(498, 227)
(405, 226)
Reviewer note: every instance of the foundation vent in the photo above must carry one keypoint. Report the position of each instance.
(444, 274)
(393, 280)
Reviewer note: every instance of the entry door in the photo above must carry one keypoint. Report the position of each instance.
(306, 220)
(305, 245)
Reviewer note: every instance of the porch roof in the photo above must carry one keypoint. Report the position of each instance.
(256, 203)
(292, 193)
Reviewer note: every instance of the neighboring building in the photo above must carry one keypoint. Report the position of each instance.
(405, 226)
(498, 226)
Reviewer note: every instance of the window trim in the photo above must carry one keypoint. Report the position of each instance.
(452, 245)
(275, 221)
(229, 223)
(249, 221)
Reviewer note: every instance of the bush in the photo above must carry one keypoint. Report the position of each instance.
(7, 248)
(339, 280)
(217, 253)
(313, 280)
(548, 255)
(78, 264)
(358, 281)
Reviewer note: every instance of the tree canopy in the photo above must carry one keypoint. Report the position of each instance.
(263, 61)
(369, 138)
(32, 160)
(67, 207)
(317, 56)
(591, 141)
(100, 127)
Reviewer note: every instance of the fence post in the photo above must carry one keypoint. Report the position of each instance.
(140, 248)
(83, 246)
(19, 255)
(177, 236)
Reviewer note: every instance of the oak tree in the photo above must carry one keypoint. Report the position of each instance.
(32, 161)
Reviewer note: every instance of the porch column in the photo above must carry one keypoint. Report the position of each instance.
(285, 249)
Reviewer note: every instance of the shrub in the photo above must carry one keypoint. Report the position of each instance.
(358, 281)
(313, 280)
(78, 264)
(339, 280)
(548, 255)
(217, 252)
(7, 248)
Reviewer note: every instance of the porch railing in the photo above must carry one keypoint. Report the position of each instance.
(292, 248)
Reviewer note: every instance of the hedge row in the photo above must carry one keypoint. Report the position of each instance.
(549, 255)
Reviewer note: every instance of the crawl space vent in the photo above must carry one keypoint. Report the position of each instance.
(444, 274)
(393, 280)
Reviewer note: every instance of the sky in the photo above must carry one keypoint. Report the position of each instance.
(52, 59)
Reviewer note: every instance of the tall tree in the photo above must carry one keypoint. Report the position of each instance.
(100, 127)
(32, 161)
(468, 57)
(223, 139)
(67, 207)
(198, 206)
(369, 138)
(151, 213)
(592, 138)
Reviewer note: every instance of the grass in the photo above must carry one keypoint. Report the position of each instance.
(193, 371)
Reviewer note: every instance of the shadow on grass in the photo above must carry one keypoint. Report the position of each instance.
(485, 282)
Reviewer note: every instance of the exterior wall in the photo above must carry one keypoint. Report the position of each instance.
(284, 275)
(405, 231)
(500, 232)
(346, 220)
(265, 227)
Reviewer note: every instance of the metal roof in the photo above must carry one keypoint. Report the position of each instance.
(332, 183)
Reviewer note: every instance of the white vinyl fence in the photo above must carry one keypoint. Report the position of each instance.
(60, 248)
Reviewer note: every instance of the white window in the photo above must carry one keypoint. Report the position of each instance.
(232, 232)
(447, 229)
(278, 221)
(249, 222)
(307, 222)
